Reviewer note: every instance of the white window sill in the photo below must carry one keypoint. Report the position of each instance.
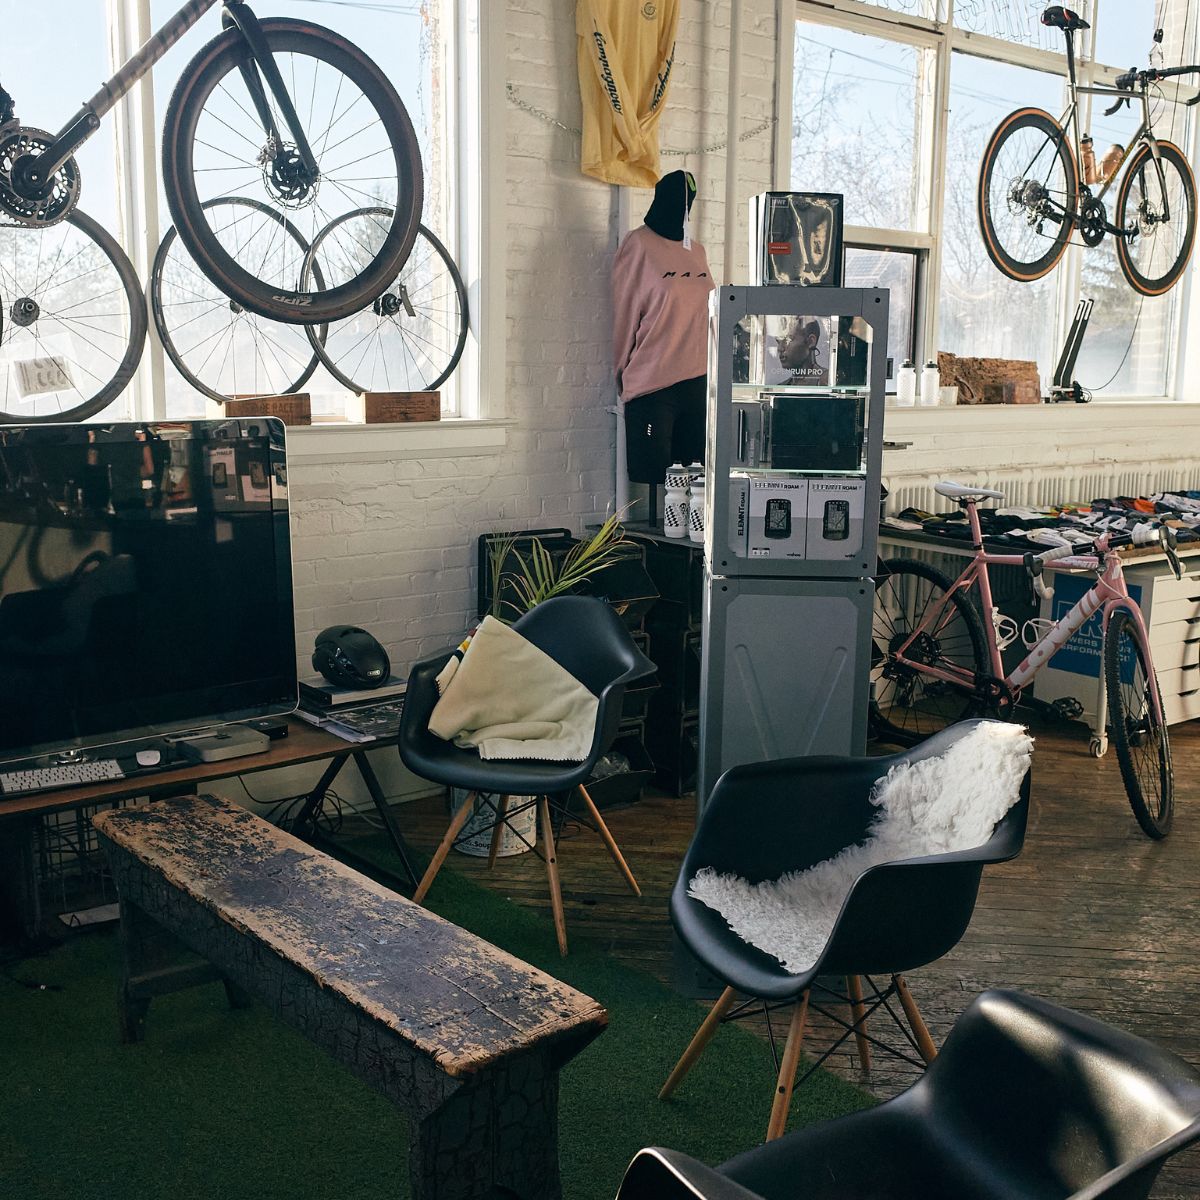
(451, 438)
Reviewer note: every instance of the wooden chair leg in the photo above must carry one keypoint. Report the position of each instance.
(787, 1069)
(496, 833)
(556, 904)
(701, 1038)
(435, 865)
(610, 842)
(858, 1015)
(913, 1013)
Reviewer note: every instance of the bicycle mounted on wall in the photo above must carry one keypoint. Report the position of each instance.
(255, 76)
(1031, 196)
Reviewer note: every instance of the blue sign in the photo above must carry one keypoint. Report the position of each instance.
(1082, 655)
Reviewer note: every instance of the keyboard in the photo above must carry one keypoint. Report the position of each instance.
(44, 779)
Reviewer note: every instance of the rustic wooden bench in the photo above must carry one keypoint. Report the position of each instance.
(465, 1038)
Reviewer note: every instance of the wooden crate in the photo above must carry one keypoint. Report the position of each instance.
(386, 408)
(293, 409)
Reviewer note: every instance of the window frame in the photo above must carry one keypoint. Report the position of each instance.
(943, 39)
(474, 112)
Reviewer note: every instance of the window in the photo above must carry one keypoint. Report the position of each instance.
(417, 44)
(893, 104)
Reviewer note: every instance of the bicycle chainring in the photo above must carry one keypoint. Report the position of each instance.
(1093, 221)
(22, 203)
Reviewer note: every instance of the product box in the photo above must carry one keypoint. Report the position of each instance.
(794, 351)
(291, 409)
(834, 522)
(777, 515)
(796, 238)
(739, 513)
(387, 408)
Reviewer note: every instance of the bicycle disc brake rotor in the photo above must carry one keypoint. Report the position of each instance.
(25, 199)
(285, 177)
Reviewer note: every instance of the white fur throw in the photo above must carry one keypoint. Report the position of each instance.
(934, 806)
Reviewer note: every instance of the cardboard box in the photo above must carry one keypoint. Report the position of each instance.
(292, 409)
(386, 408)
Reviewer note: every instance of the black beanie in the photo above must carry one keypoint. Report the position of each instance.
(666, 212)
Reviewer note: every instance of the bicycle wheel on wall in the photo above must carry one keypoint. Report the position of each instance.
(909, 704)
(359, 132)
(1143, 749)
(1163, 208)
(411, 338)
(213, 342)
(1027, 185)
(72, 320)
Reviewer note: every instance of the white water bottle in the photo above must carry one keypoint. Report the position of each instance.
(906, 385)
(675, 504)
(696, 510)
(931, 384)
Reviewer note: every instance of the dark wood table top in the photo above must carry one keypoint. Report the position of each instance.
(304, 743)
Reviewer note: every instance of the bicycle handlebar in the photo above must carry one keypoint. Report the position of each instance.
(1126, 82)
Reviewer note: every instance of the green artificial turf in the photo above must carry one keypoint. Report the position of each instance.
(231, 1105)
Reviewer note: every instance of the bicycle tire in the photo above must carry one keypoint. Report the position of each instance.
(1026, 269)
(1138, 280)
(1142, 745)
(431, 374)
(131, 355)
(906, 706)
(178, 356)
(200, 79)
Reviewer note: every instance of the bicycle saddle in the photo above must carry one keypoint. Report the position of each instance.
(1063, 18)
(958, 491)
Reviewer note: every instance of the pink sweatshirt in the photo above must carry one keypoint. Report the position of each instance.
(660, 307)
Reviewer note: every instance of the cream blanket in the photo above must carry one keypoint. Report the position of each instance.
(508, 699)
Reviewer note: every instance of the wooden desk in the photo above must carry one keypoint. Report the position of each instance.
(304, 743)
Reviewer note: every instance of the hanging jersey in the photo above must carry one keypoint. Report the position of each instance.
(626, 49)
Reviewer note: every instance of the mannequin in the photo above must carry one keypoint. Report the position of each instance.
(661, 283)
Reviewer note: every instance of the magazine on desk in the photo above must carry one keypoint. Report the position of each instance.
(360, 723)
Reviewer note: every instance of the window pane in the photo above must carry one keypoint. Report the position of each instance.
(982, 312)
(895, 270)
(1127, 350)
(856, 123)
(914, 8)
(47, 76)
(1125, 31)
(405, 40)
(1016, 21)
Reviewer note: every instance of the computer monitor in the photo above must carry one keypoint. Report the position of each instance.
(145, 581)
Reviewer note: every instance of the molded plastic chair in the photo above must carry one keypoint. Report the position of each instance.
(770, 818)
(587, 638)
(1027, 1101)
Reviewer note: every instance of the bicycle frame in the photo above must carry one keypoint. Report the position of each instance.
(1107, 594)
(1145, 133)
(237, 15)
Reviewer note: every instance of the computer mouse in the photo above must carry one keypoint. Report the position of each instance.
(149, 758)
(350, 657)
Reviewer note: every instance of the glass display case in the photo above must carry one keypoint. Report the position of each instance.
(796, 382)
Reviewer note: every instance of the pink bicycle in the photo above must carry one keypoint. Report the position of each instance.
(936, 661)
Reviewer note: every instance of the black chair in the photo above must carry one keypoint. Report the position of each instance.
(1027, 1101)
(770, 818)
(587, 638)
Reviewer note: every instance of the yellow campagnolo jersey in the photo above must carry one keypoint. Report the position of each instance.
(626, 49)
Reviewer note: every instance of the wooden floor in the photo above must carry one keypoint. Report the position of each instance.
(1093, 915)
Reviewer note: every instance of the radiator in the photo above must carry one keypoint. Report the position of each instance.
(1051, 485)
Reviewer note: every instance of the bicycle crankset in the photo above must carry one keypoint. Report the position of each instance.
(994, 695)
(26, 195)
(1093, 221)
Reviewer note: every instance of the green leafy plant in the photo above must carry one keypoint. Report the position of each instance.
(538, 574)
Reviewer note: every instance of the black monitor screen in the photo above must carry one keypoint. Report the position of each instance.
(145, 580)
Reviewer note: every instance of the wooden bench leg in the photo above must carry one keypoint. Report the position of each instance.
(496, 1137)
(132, 1006)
